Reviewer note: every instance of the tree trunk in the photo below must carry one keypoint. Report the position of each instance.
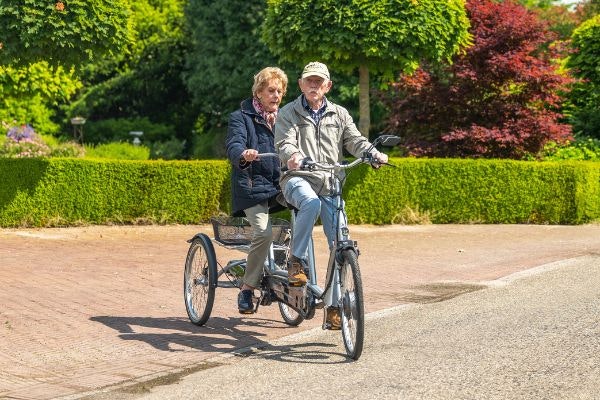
(364, 122)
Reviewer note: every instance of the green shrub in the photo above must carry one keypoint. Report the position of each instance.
(209, 145)
(22, 141)
(60, 191)
(24, 149)
(117, 130)
(475, 191)
(582, 149)
(582, 107)
(67, 149)
(118, 151)
(168, 150)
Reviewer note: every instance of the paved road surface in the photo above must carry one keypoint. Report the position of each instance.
(535, 337)
(82, 309)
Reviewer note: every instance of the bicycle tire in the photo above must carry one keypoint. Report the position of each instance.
(352, 306)
(200, 279)
(290, 316)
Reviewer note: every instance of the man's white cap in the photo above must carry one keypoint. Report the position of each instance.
(315, 69)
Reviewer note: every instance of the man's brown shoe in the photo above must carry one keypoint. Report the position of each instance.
(296, 275)
(333, 319)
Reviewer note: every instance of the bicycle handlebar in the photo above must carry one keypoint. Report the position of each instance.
(367, 158)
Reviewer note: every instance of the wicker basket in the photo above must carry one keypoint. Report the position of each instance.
(235, 231)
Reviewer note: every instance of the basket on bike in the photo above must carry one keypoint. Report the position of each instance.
(234, 231)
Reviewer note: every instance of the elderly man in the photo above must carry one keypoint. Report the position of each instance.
(313, 126)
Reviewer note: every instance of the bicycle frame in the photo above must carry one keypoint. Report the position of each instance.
(330, 294)
(341, 242)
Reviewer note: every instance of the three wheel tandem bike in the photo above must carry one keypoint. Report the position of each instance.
(342, 289)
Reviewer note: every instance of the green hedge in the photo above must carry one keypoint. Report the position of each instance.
(59, 192)
(475, 191)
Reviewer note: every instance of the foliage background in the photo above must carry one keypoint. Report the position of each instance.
(176, 69)
(584, 106)
(499, 99)
(62, 32)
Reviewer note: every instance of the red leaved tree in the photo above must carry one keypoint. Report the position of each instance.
(498, 100)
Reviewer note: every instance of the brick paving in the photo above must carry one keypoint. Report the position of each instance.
(91, 307)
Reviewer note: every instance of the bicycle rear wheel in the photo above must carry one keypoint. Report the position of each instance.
(289, 315)
(200, 279)
(352, 307)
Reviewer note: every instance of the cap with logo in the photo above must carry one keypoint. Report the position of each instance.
(315, 69)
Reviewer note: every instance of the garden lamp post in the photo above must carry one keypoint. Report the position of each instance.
(77, 123)
(136, 137)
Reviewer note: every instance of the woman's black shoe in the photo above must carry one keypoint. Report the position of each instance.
(245, 302)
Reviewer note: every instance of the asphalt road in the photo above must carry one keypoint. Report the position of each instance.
(534, 334)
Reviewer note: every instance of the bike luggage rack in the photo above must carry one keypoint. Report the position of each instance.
(236, 232)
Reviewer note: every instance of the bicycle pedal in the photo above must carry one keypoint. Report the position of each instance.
(265, 301)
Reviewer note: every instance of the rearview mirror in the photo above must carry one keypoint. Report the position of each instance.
(388, 140)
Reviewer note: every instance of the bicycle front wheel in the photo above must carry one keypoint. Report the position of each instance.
(200, 279)
(352, 307)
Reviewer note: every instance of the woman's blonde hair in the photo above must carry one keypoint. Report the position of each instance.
(262, 78)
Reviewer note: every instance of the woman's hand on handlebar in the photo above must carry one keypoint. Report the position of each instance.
(249, 155)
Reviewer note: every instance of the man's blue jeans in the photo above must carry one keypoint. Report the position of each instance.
(300, 194)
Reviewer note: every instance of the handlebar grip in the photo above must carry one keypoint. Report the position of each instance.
(307, 164)
(377, 165)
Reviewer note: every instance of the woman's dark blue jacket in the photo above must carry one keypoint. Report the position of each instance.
(254, 182)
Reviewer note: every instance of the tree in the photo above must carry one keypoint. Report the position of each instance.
(143, 85)
(30, 94)
(373, 36)
(225, 54)
(498, 100)
(62, 32)
(588, 9)
(584, 107)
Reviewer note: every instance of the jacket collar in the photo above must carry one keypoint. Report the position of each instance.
(247, 107)
(299, 107)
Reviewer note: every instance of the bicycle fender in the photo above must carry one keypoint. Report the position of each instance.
(197, 235)
(343, 246)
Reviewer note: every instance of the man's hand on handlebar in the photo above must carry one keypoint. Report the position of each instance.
(379, 159)
(295, 161)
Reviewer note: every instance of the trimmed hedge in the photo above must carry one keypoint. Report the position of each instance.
(476, 191)
(62, 192)
(58, 192)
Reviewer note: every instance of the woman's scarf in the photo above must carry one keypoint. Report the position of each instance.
(268, 116)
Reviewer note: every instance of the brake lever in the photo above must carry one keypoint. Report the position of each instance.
(376, 164)
(307, 164)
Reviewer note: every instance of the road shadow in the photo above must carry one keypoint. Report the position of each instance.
(303, 353)
(237, 335)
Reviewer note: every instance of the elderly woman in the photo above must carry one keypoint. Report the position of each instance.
(255, 182)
